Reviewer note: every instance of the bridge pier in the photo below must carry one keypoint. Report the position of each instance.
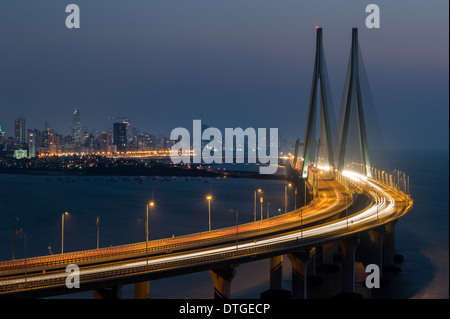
(299, 261)
(276, 272)
(348, 247)
(312, 266)
(222, 281)
(376, 243)
(114, 292)
(327, 257)
(142, 290)
(389, 247)
(276, 278)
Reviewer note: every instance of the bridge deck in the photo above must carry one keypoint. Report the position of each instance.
(306, 226)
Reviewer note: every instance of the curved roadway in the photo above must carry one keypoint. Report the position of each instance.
(324, 219)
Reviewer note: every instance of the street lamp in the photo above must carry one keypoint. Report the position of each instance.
(285, 196)
(237, 227)
(209, 198)
(62, 230)
(261, 200)
(151, 204)
(98, 231)
(254, 209)
(15, 219)
(21, 230)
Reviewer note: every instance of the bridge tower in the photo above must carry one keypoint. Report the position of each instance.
(319, 76)
(352, 101)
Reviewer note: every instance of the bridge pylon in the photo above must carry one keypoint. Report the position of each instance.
(352, 101)
(319, 76)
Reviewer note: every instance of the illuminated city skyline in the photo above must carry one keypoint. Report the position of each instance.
(231, 64)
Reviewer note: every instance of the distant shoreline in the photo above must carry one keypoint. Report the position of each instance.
(157, 170)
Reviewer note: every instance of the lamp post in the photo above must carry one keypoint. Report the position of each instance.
(62, 231)
(98, 230)
(15, 219)
(259, 190)
(25, 239)
(25, 243)
(285, 196)
(254, 209)
(261, 200)
(209, 198)
(237, 226)
(151, 204)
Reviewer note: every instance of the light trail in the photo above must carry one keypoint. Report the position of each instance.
(382, 205)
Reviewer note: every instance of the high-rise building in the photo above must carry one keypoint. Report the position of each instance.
(19, 130)
(77, 129)
(69, 143)
(38, 138)
(52, 142)
(31, 144)
(105, 142)
(120, 136)
(2, 139)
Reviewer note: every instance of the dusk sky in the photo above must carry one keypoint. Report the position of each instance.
(233, 63)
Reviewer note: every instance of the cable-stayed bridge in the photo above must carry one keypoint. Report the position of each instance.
(342, 199)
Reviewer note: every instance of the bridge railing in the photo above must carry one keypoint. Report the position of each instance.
(203, 259)
(154, 246)
(112, 271)
(397, 179)
(167, 244)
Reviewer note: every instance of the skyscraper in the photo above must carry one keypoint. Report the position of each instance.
(19, 130)
(77, 132)
(120, 136)
(31, 144)
(2, 139)
(105, 142)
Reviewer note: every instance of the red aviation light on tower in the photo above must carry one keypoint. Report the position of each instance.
(317, 27)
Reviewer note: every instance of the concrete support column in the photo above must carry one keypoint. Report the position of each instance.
(328, 250)
(299, 261)
(312, 263)
(389, 244)
(326, 258)
(276, 272)
(376, 241)
(142, 290)
(222, 281)
(348, 246)
(108, 293)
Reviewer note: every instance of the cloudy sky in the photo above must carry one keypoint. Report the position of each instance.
(230, 63)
